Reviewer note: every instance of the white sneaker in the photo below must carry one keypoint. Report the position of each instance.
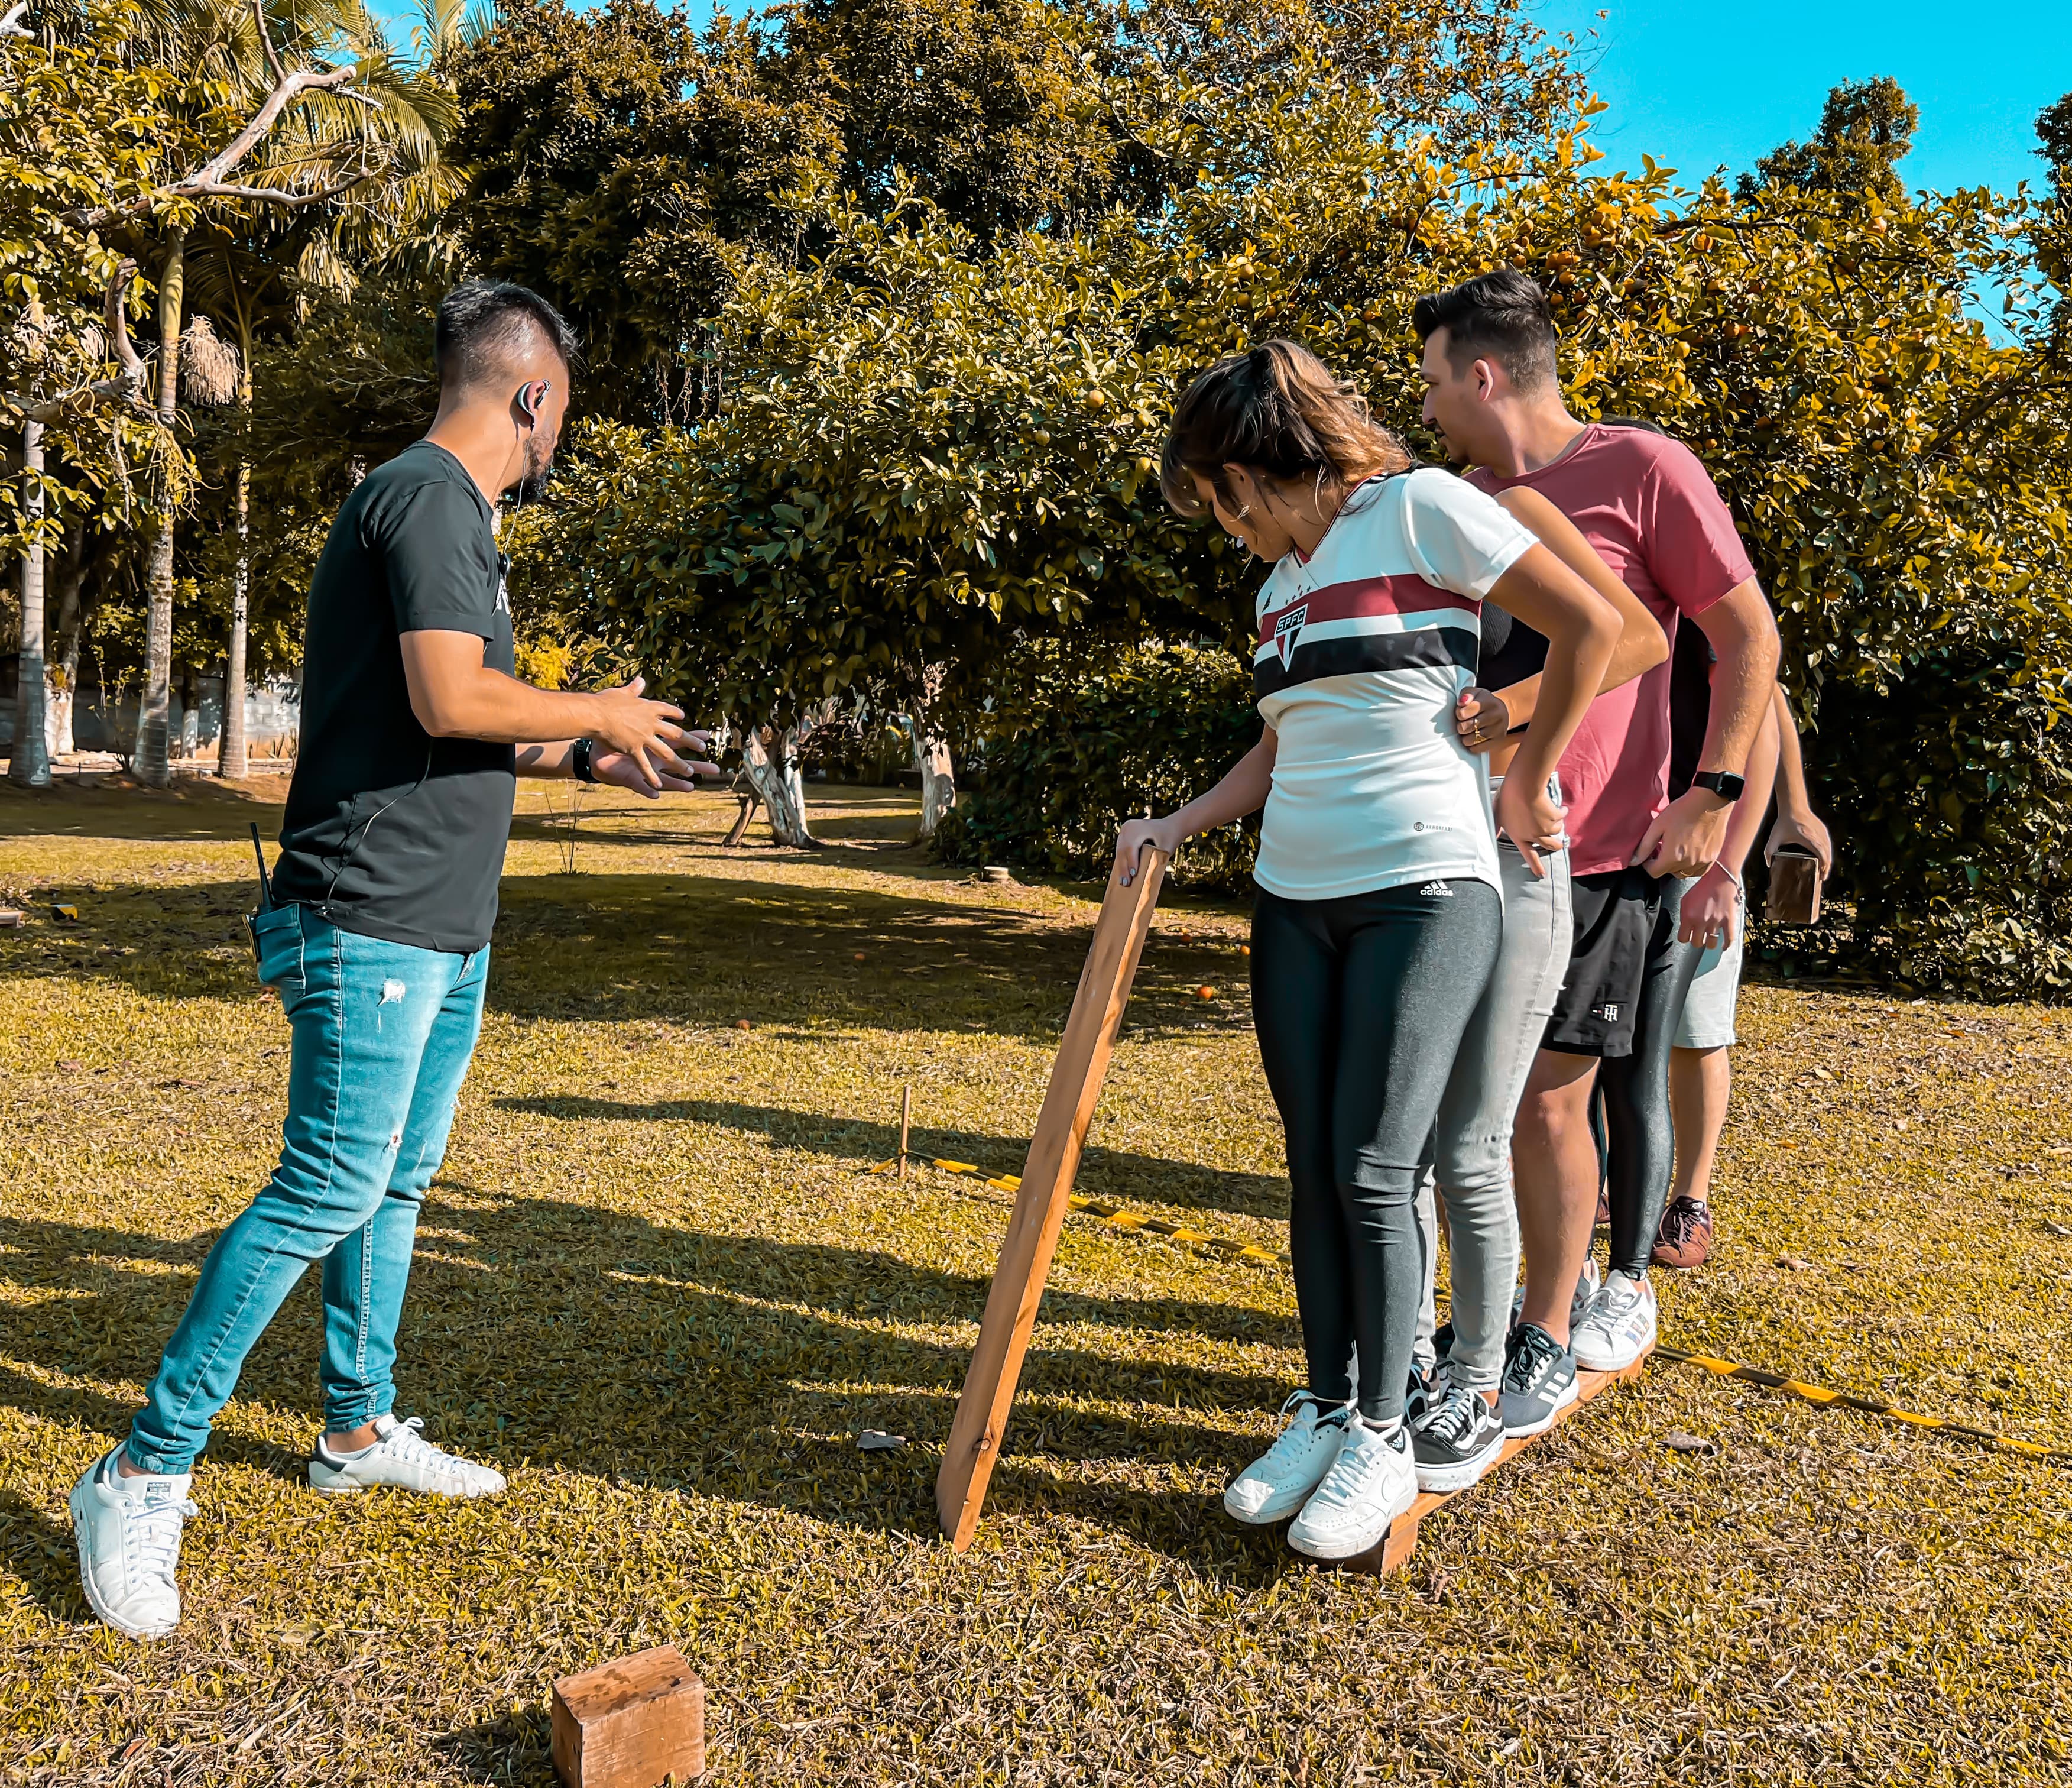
(1277, 1483)
(1618, 1327)
(1373, 1480)
(1587, 1287)
(129, 1532)
(404, 1457)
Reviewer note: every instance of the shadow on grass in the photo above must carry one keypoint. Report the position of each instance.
(688, 949)
(194, 809)
(37, 1552)
(560, 1336)
(514, 1750)
(1117, 1172)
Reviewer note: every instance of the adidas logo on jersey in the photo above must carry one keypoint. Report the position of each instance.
(1436, 891)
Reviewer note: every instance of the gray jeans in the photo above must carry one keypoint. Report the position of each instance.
(1473, 1160)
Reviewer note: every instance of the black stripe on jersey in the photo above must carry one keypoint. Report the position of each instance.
(1366, 652)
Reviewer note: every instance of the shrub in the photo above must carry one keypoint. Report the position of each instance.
(1075, 751)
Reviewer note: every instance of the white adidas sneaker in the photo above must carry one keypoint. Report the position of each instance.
(129, 1532)
(1277, 1483)
(1618, 1327)
(403, 1457)
(1373, 1480)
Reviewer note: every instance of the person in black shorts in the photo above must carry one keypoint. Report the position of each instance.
(1651, 512)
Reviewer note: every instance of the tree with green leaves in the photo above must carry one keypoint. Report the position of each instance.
(1866, 129)
(79, 128)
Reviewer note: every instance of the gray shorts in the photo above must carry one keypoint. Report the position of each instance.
(1708, 1021)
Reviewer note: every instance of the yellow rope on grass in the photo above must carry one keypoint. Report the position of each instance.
(1136, 1222)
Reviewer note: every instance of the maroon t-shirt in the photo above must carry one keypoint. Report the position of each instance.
(1653, 514)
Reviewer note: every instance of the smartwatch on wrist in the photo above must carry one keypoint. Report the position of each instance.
(579, 760)
(1722, 783)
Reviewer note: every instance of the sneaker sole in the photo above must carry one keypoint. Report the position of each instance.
(102, 1613)
(1616, 1361)
(1333, 1552)
(1444, 1479)
(408, 1489)
(1565, 1400)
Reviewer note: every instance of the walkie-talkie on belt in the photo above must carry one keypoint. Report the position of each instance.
(265, 895)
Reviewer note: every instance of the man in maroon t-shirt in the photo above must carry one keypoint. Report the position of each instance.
(1649, 508)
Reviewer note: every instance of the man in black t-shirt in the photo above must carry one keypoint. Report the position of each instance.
(413, 731)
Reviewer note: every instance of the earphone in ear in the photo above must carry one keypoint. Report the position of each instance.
(531, 396)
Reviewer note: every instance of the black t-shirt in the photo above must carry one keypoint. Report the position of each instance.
(1511, 651)
(389, 831)
(1690, 661)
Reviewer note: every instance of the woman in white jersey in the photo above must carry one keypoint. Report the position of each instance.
(1378, 911)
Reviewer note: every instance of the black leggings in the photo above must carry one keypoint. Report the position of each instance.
(1360, 1003)
(1629, 1110)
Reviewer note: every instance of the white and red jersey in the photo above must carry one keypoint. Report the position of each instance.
(1363, 651)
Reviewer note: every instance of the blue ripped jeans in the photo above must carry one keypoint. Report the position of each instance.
(383, 1033)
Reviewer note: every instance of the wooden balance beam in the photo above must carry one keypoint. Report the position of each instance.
(1401, 1540)
(1044, 1197)
(1040, 1207)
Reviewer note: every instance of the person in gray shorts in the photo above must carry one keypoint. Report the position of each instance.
(1456, 1432)
(1700, 1077)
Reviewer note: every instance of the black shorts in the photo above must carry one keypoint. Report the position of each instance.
(1625, 920)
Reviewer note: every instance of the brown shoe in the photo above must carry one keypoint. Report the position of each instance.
(1685, 1238)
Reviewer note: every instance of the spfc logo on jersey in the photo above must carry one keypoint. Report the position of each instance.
(1287, 633)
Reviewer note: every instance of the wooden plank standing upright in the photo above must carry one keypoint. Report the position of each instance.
(1040, 1204)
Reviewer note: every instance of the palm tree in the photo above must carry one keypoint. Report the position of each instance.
(363, 143)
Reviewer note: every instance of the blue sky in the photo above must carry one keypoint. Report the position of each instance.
(1695, 86)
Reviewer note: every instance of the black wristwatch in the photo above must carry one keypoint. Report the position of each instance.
(579, 760)
(1727, 786)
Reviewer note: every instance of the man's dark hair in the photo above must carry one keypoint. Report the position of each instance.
(482, 328)
(1502, 316)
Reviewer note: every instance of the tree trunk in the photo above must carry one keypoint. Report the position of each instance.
(29, 763)
(775, 779)
(61, 673)
(154, 714)
(232, 760)
(939, 784)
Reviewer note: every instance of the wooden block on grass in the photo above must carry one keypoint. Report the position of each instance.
(630, 1723)
(1401, 1540)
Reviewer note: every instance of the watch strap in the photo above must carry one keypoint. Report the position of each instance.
(579, 759)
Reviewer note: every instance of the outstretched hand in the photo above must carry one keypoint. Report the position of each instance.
(622, 770)
(645, 734)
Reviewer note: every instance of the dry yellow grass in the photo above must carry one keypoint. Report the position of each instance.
(652, 1286)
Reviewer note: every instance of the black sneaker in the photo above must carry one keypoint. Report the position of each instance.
(1460, 1440)
(1427, 1390)
(1538, 1380)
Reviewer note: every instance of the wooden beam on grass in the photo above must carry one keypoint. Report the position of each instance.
(1041, 1202)
(1400, 1541)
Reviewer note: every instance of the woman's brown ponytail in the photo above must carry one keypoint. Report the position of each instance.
(1279, 411)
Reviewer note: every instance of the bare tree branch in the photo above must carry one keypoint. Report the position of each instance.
(207, 181)
(276, 195)
(266, 42)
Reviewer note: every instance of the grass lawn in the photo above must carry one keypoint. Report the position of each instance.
(652, 1286)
